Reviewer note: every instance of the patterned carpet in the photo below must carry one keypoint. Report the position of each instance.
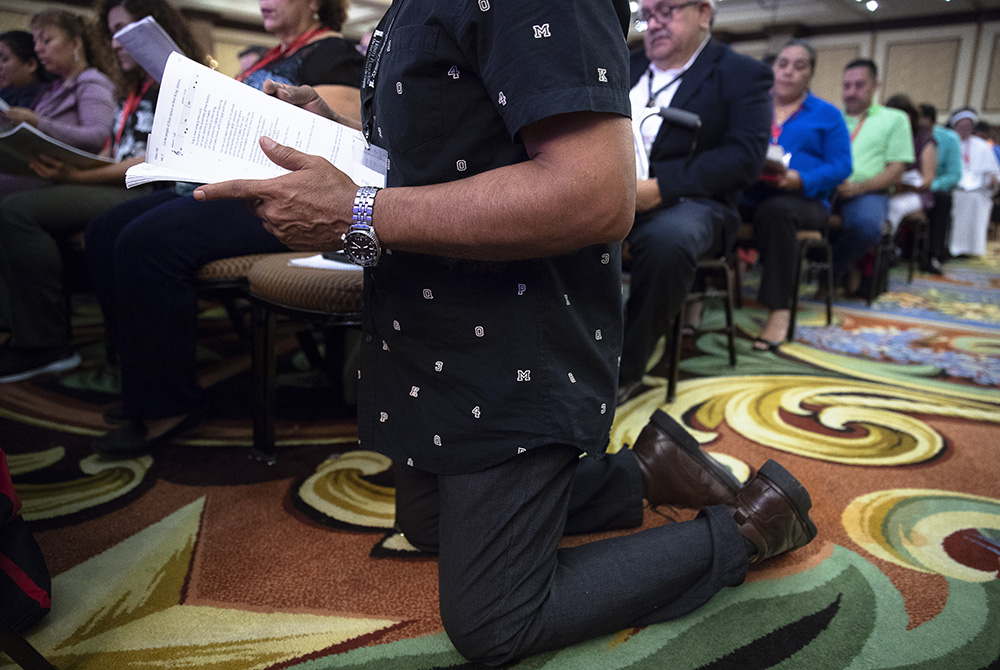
(199, 557)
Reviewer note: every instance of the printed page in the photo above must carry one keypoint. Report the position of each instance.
(19, 144)
(207, 126)
(148, 44)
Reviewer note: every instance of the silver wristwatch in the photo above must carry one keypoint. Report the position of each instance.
(361, 245)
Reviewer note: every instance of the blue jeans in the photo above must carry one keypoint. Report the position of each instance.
(863, 217)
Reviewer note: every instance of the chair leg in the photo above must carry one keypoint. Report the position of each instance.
(828, 252)
(730, 325)
(675, 358)
(794, 311)
(20, 650)
(263, 379)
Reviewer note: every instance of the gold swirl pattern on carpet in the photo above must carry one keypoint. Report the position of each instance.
(939, 532)
(106, 481)
(338, 490)
(852, 421)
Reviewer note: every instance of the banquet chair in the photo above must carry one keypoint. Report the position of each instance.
(328, 300)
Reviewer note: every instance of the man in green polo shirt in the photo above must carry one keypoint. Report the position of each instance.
(881, 147)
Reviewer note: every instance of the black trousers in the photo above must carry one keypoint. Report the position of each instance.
(665, 245)
(775, 222)
(144, 257)
(506, 588)
(939, 218)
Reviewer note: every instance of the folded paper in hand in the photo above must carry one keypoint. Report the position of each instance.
(19, 145)
(148, 44)
(207, 126)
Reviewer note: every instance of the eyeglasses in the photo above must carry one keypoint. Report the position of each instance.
(664, 12)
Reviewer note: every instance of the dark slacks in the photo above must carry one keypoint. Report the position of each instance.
(506, 588)
(144, 256)
(775, 222)
(939, 218)
(33, 302)
(665, 246)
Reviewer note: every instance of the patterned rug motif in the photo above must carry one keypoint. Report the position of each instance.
(199, 557)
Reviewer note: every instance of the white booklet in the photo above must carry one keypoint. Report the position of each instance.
(206, 130)
(148, 44)
(18, 145)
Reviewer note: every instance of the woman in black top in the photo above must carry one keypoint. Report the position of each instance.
(144, 255)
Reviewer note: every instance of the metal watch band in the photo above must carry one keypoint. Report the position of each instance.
(364, 201)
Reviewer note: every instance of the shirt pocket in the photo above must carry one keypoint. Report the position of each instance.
(409, 106)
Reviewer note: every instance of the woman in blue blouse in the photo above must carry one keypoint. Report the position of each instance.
(810, 154)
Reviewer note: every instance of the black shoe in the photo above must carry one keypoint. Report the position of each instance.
(129, 440)
(933, 266)
(17, 363)
(115, 415)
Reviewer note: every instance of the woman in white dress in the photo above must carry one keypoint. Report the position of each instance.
(973, 198)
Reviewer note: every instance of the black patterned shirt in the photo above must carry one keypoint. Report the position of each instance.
(465, 363)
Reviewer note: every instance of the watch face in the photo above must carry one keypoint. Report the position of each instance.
(361, 248)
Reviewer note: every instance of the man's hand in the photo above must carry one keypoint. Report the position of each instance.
(849, 189)
(305, 97)
(647, 195)
(22, 115)
(48, 167)
(307, 209)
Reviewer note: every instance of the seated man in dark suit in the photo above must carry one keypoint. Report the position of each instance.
(687, 205)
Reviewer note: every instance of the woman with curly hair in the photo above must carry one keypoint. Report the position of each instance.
(144, 255)
(31, 290)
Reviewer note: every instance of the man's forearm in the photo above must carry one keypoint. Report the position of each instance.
(577, 189)
(884, 180)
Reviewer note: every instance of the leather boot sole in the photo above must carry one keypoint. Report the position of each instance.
(782, 483)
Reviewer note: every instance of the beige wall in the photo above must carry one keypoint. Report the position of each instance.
(948, 66)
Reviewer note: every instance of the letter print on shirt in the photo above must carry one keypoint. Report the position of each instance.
(604, 407)
(521, 288)
(484, 5)
(602, 75)
(395, 326)
(480, 331)
(605, 259)
(502, 99)
(454, 72)
(428, 295)
(524, 375)
(438, 366)
(542, 31)
(437, 440)
(383, 417)
(566, 298)
(598, 335)
(461, 165)
(572, 379)
(399, 88)
(476, 412)
(414, 391)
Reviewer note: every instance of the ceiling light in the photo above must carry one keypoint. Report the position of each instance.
(872, 5)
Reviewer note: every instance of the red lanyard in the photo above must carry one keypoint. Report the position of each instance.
(283, 52)
(776, 130)
(857, 129)
(131, 103)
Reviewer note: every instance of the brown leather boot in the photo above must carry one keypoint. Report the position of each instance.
(772, 511)
(675, 471)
